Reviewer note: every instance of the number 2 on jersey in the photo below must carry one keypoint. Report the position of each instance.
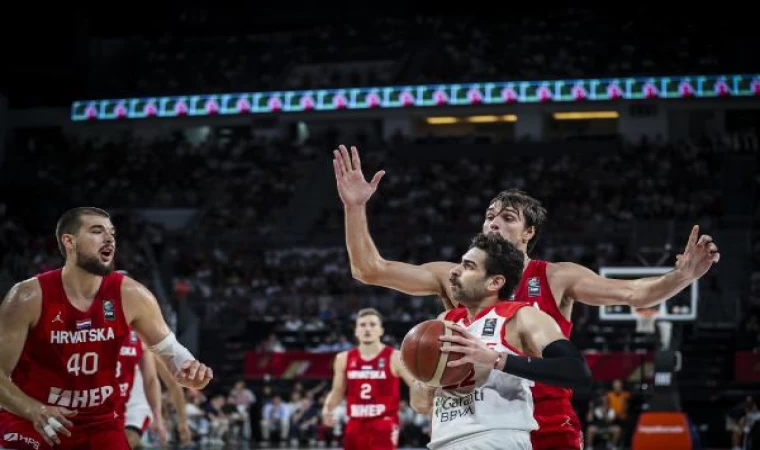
(366, 392)
(86, 363)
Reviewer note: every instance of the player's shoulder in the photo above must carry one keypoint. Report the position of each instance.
(565, 268)
(132, 289)
(24, 294)
(509, 309)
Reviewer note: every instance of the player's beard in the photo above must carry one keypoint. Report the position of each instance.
(468, 295)
(91, 264)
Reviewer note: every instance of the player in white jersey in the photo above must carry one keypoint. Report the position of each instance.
(492, 408)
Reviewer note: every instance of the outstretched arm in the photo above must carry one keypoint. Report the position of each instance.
(142, 312)
(583, 285)
(367, 265)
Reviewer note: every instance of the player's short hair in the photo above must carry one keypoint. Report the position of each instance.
(531, 209)
(369, 312)
(502, 258)
(71, 220)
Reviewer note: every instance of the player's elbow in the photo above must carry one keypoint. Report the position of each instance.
(368, 272)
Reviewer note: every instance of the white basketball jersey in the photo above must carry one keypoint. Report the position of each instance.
(137, 396)
(488, 400)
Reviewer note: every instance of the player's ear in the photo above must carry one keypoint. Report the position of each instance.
(68, 240)
(528, 233)
(497, 282)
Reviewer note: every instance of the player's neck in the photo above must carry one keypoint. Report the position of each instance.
(474, 310)
(370, 349)
(78, 283)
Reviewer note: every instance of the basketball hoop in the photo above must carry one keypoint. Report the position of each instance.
(645, 319)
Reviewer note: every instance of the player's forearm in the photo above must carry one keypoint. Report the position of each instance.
(177, 396)
(13, 399)
(363, 255)
(153, 394)
(332, 401)
(651, 291)
(561, 365)
(421, 397)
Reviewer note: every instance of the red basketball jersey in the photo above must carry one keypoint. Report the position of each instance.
(70, 356)
(372, 390)
(559, 426)
(129, 356)
(534, 289)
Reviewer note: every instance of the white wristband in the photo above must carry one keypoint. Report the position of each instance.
(172, 352)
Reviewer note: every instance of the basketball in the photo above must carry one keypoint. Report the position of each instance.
(422, 356)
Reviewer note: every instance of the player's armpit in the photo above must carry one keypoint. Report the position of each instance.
(426, 279)
(582, 284)
(19, 311)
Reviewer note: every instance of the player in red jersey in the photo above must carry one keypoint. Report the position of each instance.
(368, 377)
(62, 333)
(552, 287)
(142, 398)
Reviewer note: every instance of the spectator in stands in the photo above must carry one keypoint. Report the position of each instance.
(618, 401)
(243, 398)
(303, 422)
(275, 418)
(601, 421)
(218, 419)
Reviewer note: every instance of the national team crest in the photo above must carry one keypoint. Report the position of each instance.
(108, 310)
(489, 327)
(133, 337)
(381, 363)
(534, 287)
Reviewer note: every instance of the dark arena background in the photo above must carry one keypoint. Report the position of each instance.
(208, 134)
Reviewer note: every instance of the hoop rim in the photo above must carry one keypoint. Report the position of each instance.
(646, 313)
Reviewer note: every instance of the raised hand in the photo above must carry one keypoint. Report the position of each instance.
(698, 256)
(353, 188)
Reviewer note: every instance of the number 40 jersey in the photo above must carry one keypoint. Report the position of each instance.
(70, 356)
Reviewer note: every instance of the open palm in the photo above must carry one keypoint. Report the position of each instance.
(353, 188)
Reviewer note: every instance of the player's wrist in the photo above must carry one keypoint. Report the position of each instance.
(500, 362)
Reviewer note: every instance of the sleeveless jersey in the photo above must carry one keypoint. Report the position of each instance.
(534, 289)
(129, 357)
(372, 390)
(69, 358)
(487, 400)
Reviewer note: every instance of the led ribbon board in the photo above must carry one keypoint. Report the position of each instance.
(429, 95)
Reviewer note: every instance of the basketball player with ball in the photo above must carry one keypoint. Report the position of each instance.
(368, 377)
(475, 365)
(551, 287)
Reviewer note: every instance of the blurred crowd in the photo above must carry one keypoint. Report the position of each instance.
(218, 52)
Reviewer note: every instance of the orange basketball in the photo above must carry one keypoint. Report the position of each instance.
(423, 358)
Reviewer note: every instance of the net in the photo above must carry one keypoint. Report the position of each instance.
(645, 319)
